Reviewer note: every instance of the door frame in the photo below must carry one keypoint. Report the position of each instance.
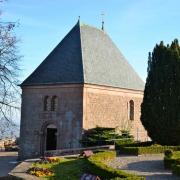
(44, 136)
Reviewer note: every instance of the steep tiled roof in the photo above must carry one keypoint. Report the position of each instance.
(86, 55)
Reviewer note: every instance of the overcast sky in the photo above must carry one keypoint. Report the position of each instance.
(134, 25)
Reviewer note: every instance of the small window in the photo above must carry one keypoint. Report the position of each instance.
(54, 103)
(131, 110)
(46, 103)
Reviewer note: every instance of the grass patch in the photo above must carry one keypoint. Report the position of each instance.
(74, 168)
(67, 169)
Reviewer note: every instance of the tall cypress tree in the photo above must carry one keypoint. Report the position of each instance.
(160, 110)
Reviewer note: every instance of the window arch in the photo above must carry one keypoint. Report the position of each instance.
(46, 103)
(54, 103)
(131, 110)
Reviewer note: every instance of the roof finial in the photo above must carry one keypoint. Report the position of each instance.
(79, 18)
(102, 15)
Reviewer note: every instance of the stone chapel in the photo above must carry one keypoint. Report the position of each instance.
(83, 83)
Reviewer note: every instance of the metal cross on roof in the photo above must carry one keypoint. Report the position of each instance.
(102, 15)
(79, 17)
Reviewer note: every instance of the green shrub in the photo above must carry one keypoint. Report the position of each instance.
(178, 161)
(142, 144)
(173, 162)
(103, 156)
(176, 169)
(143, 148)
(151, 149)
(168, 153)
(97, 166)
(123, 142)
(101, 136)
(128, 150)
(168, 162)
(130, 143)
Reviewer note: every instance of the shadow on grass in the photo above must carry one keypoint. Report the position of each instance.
(72, 169)
(75, 168)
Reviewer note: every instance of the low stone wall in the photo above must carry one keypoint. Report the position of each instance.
(77, 150)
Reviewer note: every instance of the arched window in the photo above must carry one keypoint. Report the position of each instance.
(46, 103)
(54, 103)
(131, 110)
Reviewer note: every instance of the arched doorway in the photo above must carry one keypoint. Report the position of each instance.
(51, 137)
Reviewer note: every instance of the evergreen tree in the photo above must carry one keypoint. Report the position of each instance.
(160, 110)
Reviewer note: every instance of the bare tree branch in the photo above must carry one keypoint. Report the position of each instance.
(9, 72)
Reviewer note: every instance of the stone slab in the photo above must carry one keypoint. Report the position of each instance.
(20, 171)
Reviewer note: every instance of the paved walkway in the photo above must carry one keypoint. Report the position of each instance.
(150, 166)
(8, 160)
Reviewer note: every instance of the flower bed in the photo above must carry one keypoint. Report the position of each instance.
(46, 160)
(40, 172)
(43, 171)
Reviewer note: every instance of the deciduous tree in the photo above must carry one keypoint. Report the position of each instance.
(9, 71)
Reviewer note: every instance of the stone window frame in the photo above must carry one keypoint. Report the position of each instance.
(131, 110)
(46, 103)
(54, 103)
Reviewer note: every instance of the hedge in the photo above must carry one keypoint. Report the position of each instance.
(176, 169)
(173, 162)
(103, 136)
(140, 144)
(168, 162)
(97, 166)
(143, 148)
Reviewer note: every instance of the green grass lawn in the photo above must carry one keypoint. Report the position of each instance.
(74, 168)
(68, 168)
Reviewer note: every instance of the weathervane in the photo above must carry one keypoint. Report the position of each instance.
(102, 15)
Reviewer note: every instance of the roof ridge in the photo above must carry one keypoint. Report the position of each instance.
(83, 68)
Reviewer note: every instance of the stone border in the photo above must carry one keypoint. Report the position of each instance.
(71, 151)
(19, 172)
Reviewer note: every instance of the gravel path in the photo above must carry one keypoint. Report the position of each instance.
(150, 166)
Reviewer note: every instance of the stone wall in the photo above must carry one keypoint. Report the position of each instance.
(108, 107)
(78, 107)
(34, 120)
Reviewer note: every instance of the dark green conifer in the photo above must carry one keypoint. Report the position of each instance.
(160, 110)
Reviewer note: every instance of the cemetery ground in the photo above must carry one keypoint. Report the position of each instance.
(103, 164)
(129, 160)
